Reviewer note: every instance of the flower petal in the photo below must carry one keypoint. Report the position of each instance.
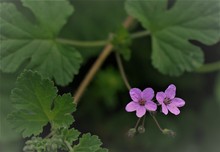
(151, 106)
(164, 109)
(160, 97)
(135, 94)
(147, 94)
(173, 109)
(140, 112)
(171, 91)
(178, 102)
(131, 106)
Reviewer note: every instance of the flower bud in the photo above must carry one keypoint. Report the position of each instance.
(131, 132)
(141, 129)
(169, 132)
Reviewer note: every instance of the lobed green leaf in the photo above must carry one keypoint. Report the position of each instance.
(89, 143)
(172, 28)
(33, 43)
(36, 103)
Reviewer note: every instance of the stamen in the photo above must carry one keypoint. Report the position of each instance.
(167, 101)
(142, 102)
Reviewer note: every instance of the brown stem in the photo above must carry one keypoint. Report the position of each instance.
(99, 61)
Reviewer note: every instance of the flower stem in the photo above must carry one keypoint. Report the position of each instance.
(210, 67)
(121, 69)
(143, 121)
(157, 123)
(95, 67)
(137, 123)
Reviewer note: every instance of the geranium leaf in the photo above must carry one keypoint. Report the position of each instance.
(34, 43)
(36, 103)
(172, 28)
(89, 143)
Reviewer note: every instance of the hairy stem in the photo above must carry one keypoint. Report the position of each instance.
(121, 69)
(157, 123)
(210, 67)
(143, 121)
(137, 123)
(68, 146)
(98, 43)
(82, 43)
(95, 67)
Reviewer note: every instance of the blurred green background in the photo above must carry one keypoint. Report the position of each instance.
(101, 110)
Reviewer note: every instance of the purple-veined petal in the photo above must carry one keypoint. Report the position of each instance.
(178, 102)
(135, 94)
(131, 106)
(171, 91)
(140, 112)
(173, 109)
(147, 94)
(164, 109)
(151, 106)
(160, 97)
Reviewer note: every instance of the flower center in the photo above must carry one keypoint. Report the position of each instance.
(167, 101)
(142, 102)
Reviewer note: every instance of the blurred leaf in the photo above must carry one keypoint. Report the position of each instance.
(109, 83)
(210, 126)
(7, 83)
(10, 141)
(36, 104)
(89, 143)
(23, 40)
(217, 88)
(172, 29)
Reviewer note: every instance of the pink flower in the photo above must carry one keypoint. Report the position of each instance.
(142, 101)
(168, 101)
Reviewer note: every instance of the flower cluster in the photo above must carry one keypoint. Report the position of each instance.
(142, 101)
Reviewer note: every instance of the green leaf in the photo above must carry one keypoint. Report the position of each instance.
(70, 135)
(36, 103)
(122, 41)
(171, 30)
(33, 43)
(89, 143)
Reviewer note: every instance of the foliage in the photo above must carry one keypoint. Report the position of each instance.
(44, 37)
(34, 42)
(172, 29)
(36, 104)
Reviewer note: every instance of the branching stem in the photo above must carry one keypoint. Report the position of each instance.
(98, 43)
(82, 43)
(95, 67)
